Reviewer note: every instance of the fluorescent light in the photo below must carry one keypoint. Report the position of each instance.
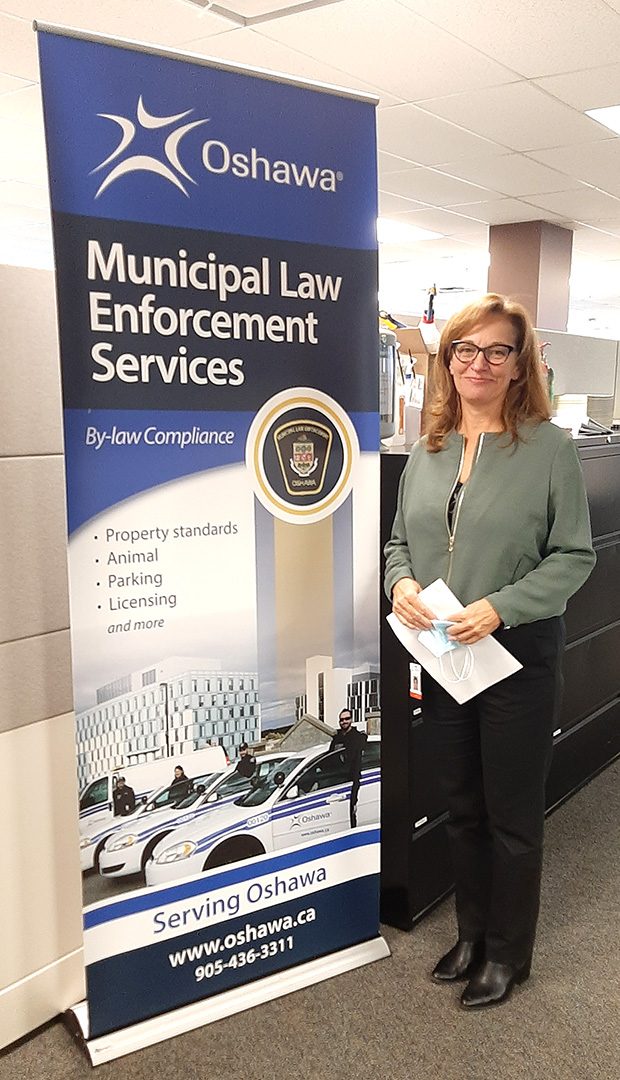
(401, 232)
(609, 117)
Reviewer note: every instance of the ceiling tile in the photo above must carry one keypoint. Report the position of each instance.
(390, 163)
(595, 242)
(511, 174)
(580, 205)
(520, 116)
(247, 46)
(24, 156)
(19, 248)
(23, 106)
(448, 263)
(20, 194)
(11, 214)
(19, 48)
(427, 139)
(608, 225)
(161, 22)
(401, 253)
(434, 187)
(505, 211)
(595, 163)
(9, 83)
(389, 204)
(252, 9)
(447, 223)
(533, 37)
(597, 88)
(388, 46)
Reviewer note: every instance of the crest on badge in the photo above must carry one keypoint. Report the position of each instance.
(303, 448)
(303, 461)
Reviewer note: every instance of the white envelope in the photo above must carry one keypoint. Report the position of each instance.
(492, 662)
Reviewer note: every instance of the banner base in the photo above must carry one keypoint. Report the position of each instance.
(159, 1028)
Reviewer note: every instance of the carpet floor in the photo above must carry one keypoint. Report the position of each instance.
(389, 1020)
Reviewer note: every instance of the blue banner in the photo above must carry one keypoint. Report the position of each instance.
(216, 271)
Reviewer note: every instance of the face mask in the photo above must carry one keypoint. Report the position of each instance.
(438, 643)
(436, 640)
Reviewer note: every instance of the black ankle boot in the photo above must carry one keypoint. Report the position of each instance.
(459, 962)
(492, 983)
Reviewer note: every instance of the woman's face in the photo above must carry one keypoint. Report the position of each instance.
(480, 383)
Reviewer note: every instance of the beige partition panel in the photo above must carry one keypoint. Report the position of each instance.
(41, 968)
(41, 960)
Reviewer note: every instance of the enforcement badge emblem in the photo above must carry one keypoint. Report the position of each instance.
(301, 453)
(303, 450)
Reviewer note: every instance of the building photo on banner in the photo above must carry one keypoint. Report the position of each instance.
(220, 432)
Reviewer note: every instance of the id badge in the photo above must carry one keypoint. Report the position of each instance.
(415, 681)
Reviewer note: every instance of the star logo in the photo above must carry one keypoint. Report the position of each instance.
(144, 162)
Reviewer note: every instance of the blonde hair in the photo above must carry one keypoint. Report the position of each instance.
(527, 397)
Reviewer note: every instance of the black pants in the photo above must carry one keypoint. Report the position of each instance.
(494, 754)
(353, 797)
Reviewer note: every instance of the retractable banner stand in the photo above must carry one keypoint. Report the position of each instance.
(214, 232)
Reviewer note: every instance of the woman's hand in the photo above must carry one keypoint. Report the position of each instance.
(406, 606)
(473, 623)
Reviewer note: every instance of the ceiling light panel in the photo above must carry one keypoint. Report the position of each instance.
(609, 117)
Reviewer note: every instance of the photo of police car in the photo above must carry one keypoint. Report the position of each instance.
(94, 834)
(129, 847)
(303, 798)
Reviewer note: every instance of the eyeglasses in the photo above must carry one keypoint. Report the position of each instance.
(466, 352)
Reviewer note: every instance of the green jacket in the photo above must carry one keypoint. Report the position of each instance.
(521, 530)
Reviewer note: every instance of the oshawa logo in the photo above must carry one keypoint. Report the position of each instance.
(144, 162)
(217, 157)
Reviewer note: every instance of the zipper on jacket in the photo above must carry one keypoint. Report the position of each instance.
(459, 503)
(451, 492)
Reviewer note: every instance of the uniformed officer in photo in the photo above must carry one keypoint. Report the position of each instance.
(124, 798)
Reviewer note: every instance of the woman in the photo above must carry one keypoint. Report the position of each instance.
(492, 500)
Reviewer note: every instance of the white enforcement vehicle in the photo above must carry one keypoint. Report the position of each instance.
(128, 848)
(96, 802)
(304, 798)
(94, 834)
